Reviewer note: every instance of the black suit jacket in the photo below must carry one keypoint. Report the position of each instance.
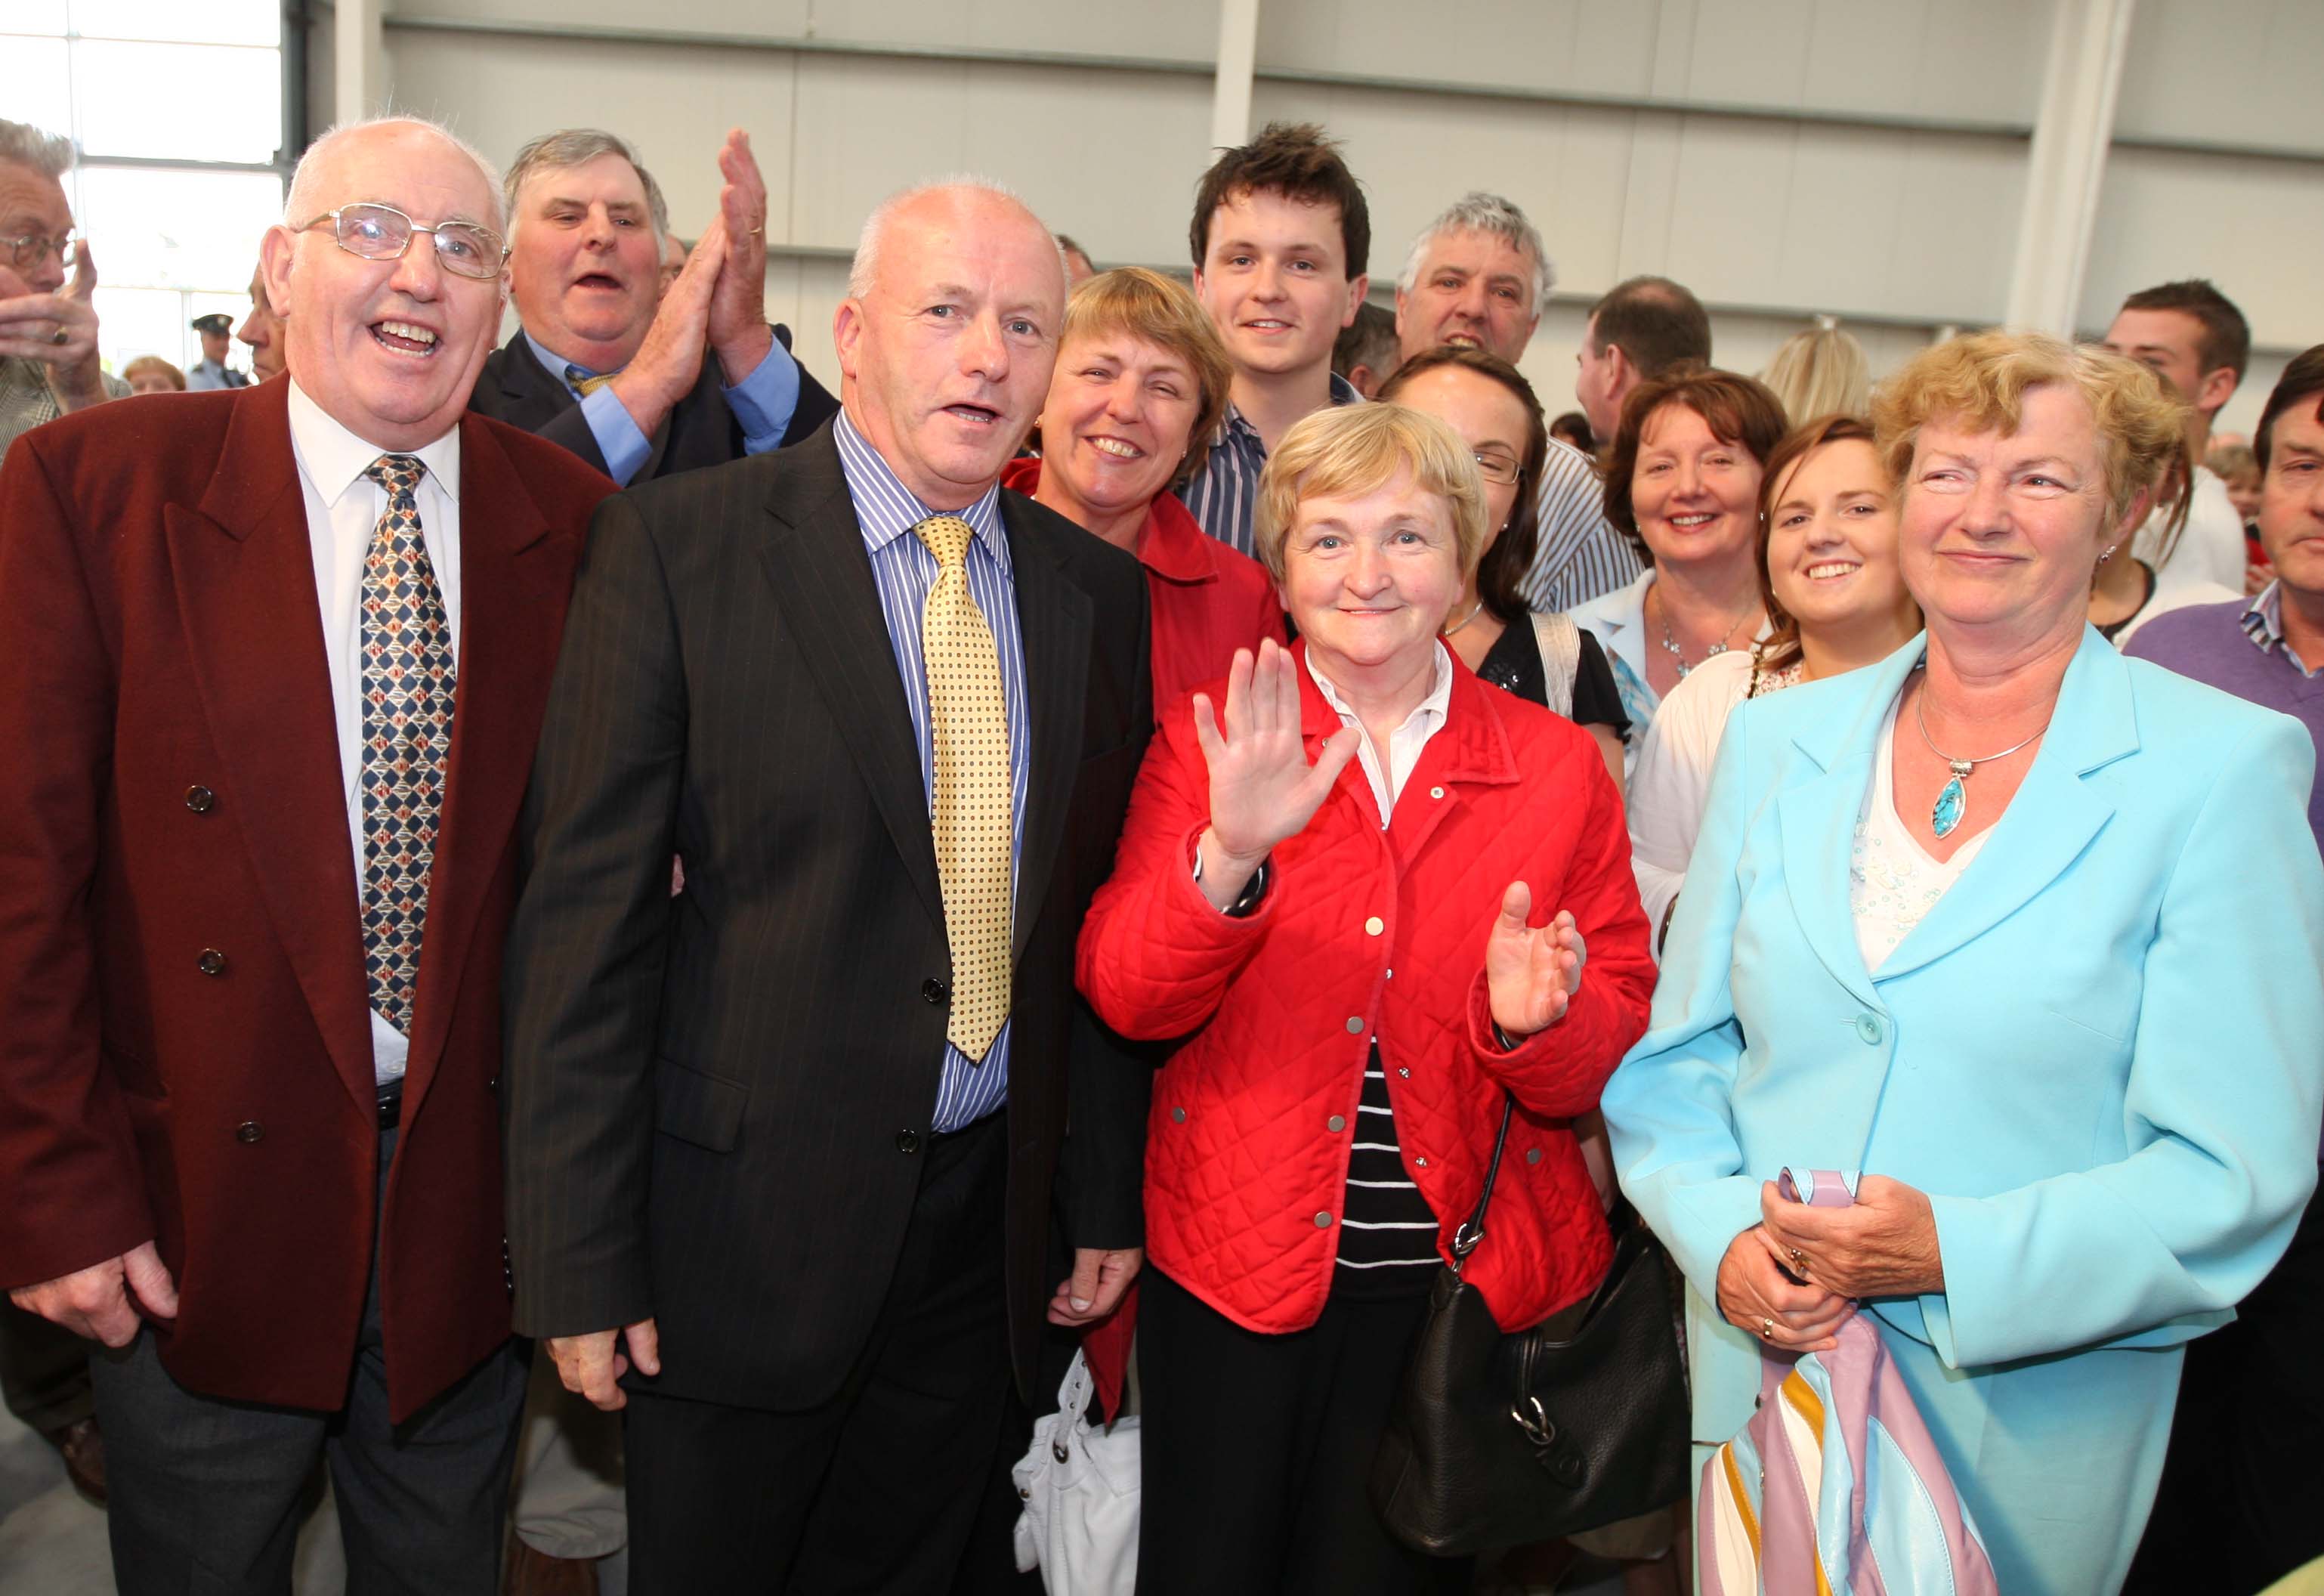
(715, 1103)
(699, 430)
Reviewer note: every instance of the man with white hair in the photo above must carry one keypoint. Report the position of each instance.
(782, 1150)
(47, 327)
(638, 381)
(276, 656)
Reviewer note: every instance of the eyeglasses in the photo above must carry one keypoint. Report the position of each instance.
(1499, 468)
(382, 233)
(32, 248)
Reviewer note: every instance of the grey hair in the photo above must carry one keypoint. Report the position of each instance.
(300, 206)
(865, 268)
(578, 146)
(1480, 212)
(49, 153)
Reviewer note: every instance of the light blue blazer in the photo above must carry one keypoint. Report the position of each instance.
(2101, 1054)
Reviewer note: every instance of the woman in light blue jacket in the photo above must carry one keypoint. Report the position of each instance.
(2028, 933)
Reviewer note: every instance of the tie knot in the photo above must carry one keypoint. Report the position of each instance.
(398, 474)
(586, 382)
(946, 537)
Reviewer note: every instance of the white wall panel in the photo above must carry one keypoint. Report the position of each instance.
(2238, 72)
(1092, 27)
(2255, 227)
(777, 19)
(674, 104)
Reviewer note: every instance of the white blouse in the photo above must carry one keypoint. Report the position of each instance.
(1670, 780)
(1893, 882)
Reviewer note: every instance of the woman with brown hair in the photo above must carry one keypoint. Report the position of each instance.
(1682, 480)
(1546, 659)
(1140, 376)
(1836, 601)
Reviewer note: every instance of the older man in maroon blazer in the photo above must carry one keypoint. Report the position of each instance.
(272, 664)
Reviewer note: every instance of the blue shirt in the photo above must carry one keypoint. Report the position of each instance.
(904, 570)
(762, 403)
(1222, 493)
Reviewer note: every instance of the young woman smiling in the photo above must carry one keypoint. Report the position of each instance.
(1835, 599)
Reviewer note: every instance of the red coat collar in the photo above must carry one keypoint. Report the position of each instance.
(1171, 545)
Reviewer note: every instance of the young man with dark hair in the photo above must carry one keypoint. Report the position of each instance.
(2193, 337)
(1638, 330)
(2237, 1506)
(1280, 239)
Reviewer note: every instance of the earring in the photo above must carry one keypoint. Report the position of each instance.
(2109, 553)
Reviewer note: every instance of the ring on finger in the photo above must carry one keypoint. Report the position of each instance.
(60, 336)
(1799, 1260)
(1766, 1329)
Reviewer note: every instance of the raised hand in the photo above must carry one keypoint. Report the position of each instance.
(738, 309)
(30, 324)
(668, 363)
(1532, 971)
(1262, 788)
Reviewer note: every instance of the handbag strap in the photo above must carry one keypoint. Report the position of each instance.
(1558, 640)
(1472, 1228)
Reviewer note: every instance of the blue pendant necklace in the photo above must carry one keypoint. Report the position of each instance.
(1952, 800)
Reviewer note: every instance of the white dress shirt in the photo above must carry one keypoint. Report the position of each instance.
(1892, 878)
(1404, 744)
(342, 509)
(2210, 554)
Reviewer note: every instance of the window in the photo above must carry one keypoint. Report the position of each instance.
(177, 111)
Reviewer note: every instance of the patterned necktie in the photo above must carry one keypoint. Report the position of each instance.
(407, 737)
(586, 383)
(971, 813)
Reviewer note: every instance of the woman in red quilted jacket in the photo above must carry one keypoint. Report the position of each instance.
(1332, 891)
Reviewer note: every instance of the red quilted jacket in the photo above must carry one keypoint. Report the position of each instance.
(1365, 932)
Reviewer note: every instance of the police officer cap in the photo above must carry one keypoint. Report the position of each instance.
(217, 321)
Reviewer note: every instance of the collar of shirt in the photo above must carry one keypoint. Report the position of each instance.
(1247, 435)
(1404, 744)
(555, 364)
(2264, 625)
(885, 508)
(334, 458)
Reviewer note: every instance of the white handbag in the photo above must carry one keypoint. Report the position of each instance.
(1079, 1484)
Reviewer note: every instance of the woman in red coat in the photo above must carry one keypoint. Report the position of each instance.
(1331, 892)
(1140, 376)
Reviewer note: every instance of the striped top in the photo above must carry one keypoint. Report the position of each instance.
(1581, 555)
(904, 570)
(1387, 1231)
(1223, 492)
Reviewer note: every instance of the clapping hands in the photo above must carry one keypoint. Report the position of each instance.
(1531, 971)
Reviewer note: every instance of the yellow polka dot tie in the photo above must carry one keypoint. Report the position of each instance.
(971, 814)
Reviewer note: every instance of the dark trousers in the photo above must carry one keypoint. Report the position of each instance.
(206, 1495)
(1257, 1449)
(44, 1371)
(876, 1489)
(2241, 1502)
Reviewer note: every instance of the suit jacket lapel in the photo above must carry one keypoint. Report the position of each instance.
(1054, 622)
(813, 552)
(2050, 821)
(1818, 819)
(245, 583)
(514, 580)
(535, 393)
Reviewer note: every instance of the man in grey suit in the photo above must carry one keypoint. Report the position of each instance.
(788, 1149)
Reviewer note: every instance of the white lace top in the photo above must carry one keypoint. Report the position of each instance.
(1893, 882)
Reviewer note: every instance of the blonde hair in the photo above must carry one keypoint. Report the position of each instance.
(1151, 308)
(1820, 372)
(1359, 448)
(1980, 380)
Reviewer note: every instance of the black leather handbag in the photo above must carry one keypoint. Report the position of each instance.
(1503, 1440)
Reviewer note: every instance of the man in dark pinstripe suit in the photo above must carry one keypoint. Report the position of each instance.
(757, 1198)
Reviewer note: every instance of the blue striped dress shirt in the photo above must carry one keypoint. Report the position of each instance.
(904, 570)
(1222, 493)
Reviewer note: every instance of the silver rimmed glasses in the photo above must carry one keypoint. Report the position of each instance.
(382, 233)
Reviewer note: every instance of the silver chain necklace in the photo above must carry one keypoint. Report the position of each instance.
(1669, 642)
(1952, 800)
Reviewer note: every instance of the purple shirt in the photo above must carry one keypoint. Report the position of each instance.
(2239, 649)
